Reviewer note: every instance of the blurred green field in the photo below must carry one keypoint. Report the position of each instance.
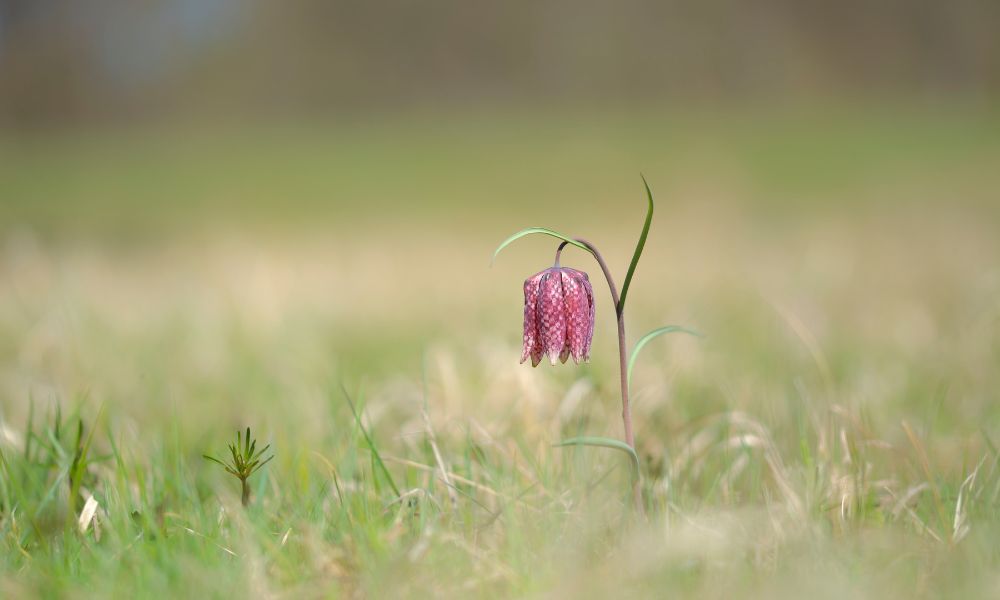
(833, 434)
(460, 169)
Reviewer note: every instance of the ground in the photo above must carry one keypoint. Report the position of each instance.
(833, 434)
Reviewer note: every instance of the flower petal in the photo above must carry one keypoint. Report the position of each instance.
(578, 301)
(532, 340)
(551, 314)
(590, 321)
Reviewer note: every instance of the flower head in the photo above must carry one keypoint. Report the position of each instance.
(558, 315)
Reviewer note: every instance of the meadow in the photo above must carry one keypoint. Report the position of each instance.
(834, 434)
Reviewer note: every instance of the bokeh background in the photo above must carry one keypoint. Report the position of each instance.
(212, 211)
(270, 166)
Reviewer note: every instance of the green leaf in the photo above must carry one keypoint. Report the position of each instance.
(638, 248)
(649, 337)
(267, 460)
(5, 470)
(50, 494)
(31, 429)
(79, 466)
(213, 459)
(531, 230)
(262, 451)
(603, 442)
(371, 444)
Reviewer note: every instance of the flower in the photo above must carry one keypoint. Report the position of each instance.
(558, 315)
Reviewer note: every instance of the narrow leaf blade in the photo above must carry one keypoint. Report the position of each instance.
(262, 451)
(213, 459)
(533, 230)
(371, 445)
(603, 442)
(80, 466)
(638, 247)
(259, 466)
(649, 337)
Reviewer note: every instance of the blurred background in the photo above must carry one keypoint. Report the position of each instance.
(115, 62)
(213, 212)
(222, 201)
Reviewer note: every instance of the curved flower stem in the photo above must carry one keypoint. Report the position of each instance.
(622, 358)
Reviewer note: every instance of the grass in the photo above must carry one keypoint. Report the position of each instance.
(834, 434)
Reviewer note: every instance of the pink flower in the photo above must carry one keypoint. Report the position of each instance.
(558, 316)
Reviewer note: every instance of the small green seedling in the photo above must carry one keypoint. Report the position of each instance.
(246, 461)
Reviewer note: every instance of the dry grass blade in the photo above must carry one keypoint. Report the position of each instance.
(960, 525)
(87, 514)
(925, 465)
(432, 439)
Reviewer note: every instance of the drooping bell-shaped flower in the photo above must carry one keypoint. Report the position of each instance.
(558, 315)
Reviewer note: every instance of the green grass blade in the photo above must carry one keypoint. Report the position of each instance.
(5, 502)
(50, 493)
(30, 431)
(79, 467)
(532, 230)
(649, 337)
(603, 442)
(53, 445)
(638, 247)
(371, 444)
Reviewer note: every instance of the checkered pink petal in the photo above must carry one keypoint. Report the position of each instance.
(551, 314)
(579, 300)
(532, 339)
(558, 316)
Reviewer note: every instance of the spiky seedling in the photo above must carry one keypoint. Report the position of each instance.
(246, 461)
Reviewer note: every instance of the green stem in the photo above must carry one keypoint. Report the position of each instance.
(622, 359)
